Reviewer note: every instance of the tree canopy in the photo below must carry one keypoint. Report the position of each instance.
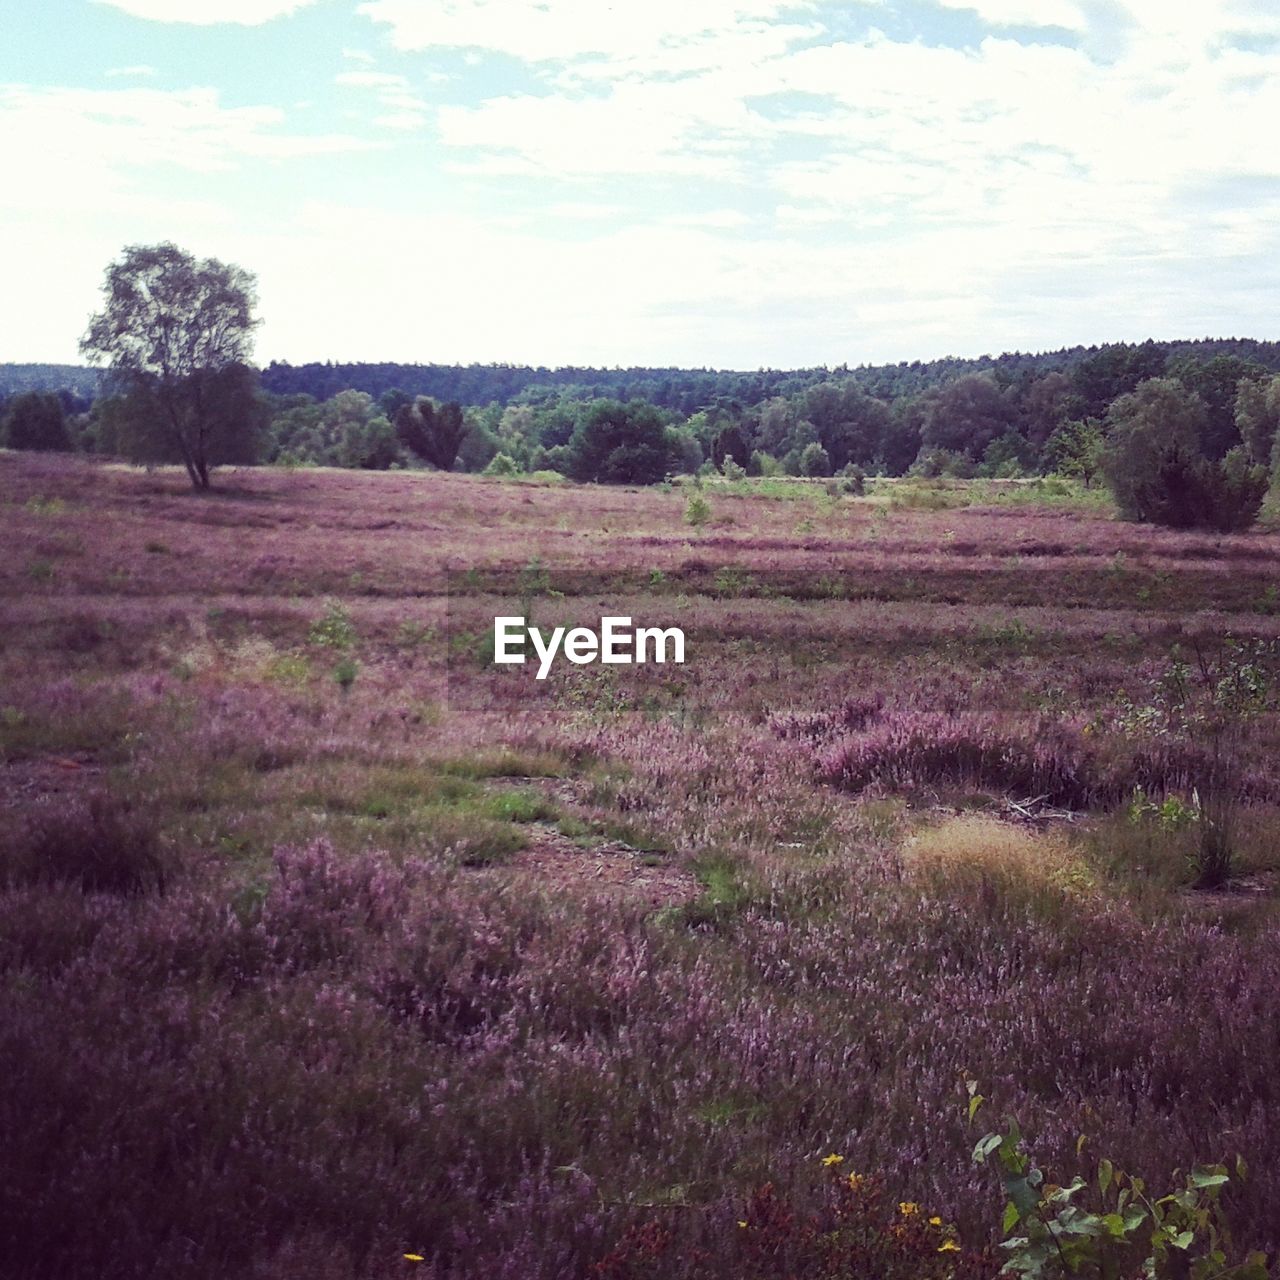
(434, 432)
(177, 334)
(1157, 467)
(618, 443)
(34, 420)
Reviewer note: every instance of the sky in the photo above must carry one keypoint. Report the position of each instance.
(721, 183)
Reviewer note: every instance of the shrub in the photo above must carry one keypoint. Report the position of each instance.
(731, 470)
(1206, 701)
(98, 844)
(335, 630)
(814, 461)
(765, 464)
(1111, 1226)
(921, 748)
(933, 464)
(616, 443)
(851, 480)
(502, 464)
(697, 510)
(34, 420)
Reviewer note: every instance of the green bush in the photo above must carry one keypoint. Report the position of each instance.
(697, 511)
(1111, 1226)
(502, 464)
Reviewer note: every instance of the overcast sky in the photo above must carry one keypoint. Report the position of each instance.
(733, 183)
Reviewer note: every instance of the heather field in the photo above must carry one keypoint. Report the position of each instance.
(323, 942)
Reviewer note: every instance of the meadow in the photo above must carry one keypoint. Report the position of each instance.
(324, 943)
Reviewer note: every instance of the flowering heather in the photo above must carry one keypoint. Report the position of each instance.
(282, 993)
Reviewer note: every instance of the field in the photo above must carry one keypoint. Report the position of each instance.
(323, 942)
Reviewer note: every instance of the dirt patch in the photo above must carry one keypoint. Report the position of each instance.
(553, 862)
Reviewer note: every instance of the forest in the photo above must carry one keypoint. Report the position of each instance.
(998, 417)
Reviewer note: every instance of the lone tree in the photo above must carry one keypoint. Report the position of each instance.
(177, 332)
(434, 433)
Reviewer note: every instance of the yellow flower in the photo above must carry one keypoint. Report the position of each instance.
(414, 1257)
(908, 1207)
(741, 1223)
(828, 1161)
(948, 1246)
(935, 1222)
(856, 1180)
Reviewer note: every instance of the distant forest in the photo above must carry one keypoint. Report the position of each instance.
(686, 391)
(1006, 415)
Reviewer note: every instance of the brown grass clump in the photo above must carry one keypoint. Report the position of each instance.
(979, 847)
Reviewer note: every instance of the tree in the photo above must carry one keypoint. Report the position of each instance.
(814, 461)
(1046, 404)
(1114, 371)
(617, 443)
(1257, 414)
(434, 432)
(850, 424)
(965, 416)
(1077, 449)
(1156, 466)
(177, 332)
(35, 420)
(729, 443)
(1217, 382)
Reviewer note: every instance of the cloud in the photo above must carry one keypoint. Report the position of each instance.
(727, 181)
(401, 108)
(541, 31)
(1023, 13)
(142, 71)
(207, 13)
(674, 129)
(108, 136)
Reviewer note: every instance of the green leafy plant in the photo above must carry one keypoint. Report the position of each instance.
(1209, 699)
(1110, 1227)
(697, 511)
(335, 630)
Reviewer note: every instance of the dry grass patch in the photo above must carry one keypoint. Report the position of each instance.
(977, 847)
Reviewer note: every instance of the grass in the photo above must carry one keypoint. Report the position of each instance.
(989, 850)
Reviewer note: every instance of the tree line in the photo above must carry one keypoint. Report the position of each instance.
(174, 333)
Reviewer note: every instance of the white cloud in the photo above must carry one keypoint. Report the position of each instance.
(401, 108)
(673, 128)
(1027, 13)
(370, 79)
(105, 136)
(556, 30)
(207, 13)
